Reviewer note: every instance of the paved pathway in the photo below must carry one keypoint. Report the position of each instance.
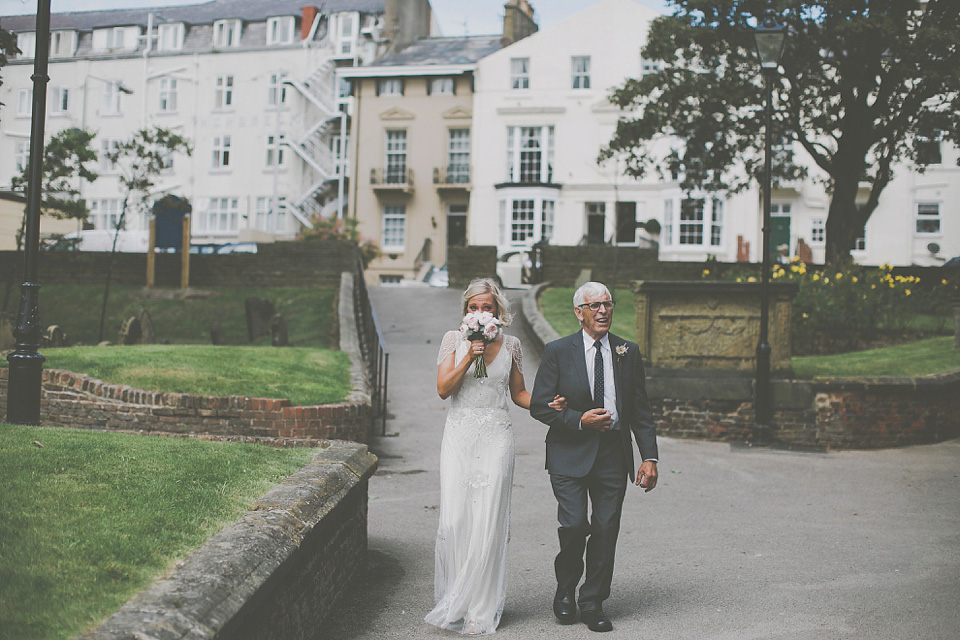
(734, 543)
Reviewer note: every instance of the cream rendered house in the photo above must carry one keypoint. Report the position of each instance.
(412, 152)
(412, 140)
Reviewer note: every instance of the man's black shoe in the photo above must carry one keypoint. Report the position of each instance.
(596, 620)
(565, 606)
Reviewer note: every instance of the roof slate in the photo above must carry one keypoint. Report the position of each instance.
(202, 13)
(430, 51)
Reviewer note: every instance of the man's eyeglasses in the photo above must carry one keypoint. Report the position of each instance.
(595, 306)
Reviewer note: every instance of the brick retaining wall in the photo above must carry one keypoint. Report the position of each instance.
(77, 400)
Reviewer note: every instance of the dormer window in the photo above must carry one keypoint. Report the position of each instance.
(280, 30)
(170, 37)
(226, 33)
(63, 44)
(348, 25)
(115, 39)
(27, 43)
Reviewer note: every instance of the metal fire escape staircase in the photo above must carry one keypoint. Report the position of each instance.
(311, 142)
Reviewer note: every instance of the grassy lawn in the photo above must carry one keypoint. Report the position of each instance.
(303, 375)
(91, 518)
(916, 358)
(308, 312)
(556, 303)
(913, 359)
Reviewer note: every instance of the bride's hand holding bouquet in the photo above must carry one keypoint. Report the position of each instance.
(480, 325)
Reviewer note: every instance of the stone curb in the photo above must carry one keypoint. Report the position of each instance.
(201, 597)
(350, 341)
(538, 327)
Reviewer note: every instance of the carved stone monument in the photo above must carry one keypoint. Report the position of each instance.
(711, 325)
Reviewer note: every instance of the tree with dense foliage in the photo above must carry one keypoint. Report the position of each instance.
(139, 161)
(65, 159)
(863, 84)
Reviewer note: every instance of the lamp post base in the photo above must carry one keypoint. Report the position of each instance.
(23, 388)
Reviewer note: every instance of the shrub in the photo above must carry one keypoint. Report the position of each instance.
(343, 230)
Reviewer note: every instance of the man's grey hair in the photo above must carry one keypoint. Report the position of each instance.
(590, 289)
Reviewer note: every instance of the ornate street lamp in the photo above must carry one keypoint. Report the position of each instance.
(770, 38)
(26, 364)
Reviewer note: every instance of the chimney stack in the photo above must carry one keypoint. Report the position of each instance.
(518, 22)
(308, 14)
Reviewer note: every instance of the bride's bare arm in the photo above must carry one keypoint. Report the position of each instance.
(450, 373)
(518, 389)
(520, 395)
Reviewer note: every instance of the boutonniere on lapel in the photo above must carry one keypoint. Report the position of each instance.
(621, 351)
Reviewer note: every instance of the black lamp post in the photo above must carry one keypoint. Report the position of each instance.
(770, 38)
(26, 364)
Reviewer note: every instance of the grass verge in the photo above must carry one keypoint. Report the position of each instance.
(302, 375)
(556, 304)
(92, 518)
(919, 358)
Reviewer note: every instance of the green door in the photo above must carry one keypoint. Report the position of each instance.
(779, 236)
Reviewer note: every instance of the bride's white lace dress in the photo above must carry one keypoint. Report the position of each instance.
(476, 478)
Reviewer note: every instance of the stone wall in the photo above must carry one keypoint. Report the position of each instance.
(275, 574)
(861, 413)
(278, 264)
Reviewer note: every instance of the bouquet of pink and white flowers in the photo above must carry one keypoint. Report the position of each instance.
(480, 325)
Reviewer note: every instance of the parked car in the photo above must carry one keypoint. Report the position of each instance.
(514, 269)
(438, 277)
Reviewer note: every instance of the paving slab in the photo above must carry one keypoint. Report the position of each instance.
(735, 543)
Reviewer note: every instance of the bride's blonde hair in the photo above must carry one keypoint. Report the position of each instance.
(479, 286)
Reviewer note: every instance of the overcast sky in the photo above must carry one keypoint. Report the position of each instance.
(456, 17)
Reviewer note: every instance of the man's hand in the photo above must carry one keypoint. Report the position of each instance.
(647, 476)
(596, 419)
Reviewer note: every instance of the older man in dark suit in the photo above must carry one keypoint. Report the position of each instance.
(589, 451)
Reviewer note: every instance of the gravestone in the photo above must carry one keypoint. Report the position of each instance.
(259, 314)
(278, 331)
(216, 334)
(148, 334)
(54, 337)
(130, 331)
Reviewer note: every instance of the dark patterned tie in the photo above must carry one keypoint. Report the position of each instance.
(598, 377)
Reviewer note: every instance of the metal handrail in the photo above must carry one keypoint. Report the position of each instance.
(372, 347)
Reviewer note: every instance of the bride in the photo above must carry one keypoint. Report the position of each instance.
(476, 469)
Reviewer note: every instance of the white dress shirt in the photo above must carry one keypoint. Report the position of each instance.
(609, 385)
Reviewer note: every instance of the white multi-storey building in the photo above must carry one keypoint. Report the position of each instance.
(250, 84)
(542, 105)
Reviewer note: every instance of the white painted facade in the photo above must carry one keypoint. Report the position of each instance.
(254, 95)
(535, 171)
